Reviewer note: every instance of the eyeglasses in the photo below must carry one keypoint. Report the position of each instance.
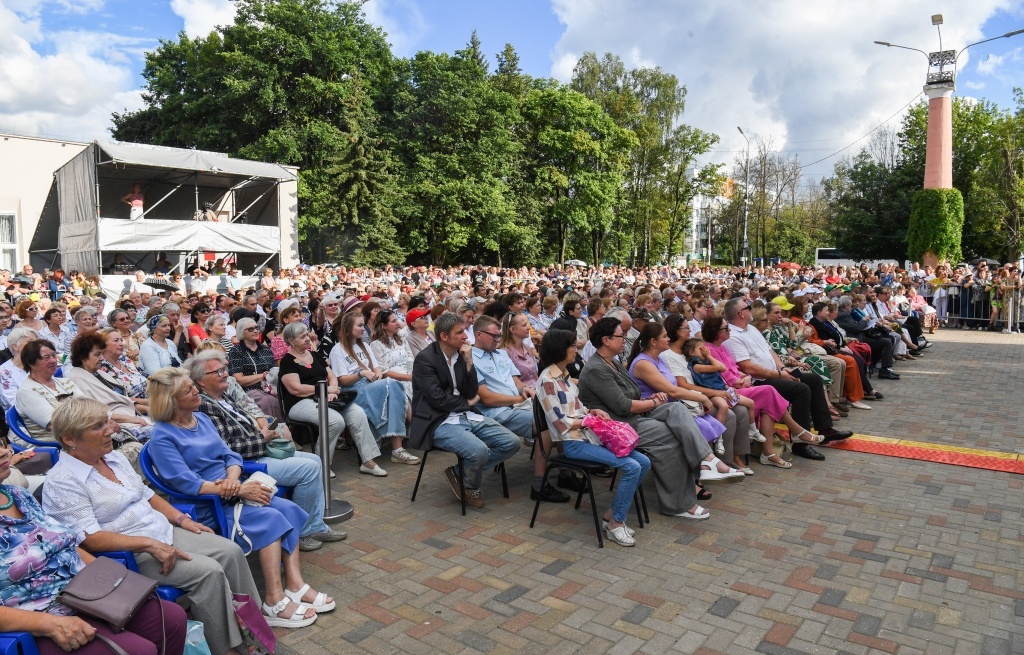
(493, 335)
(724, 329)
(617, 336)
(223, 370)
(61, 397)
(252, 329)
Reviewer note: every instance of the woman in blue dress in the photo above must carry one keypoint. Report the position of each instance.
(192, 458)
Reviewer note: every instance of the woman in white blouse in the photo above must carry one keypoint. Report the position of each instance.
(93, 490)
(12, 373)
(392, 351)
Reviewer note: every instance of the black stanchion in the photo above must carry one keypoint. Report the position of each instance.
(335, 510)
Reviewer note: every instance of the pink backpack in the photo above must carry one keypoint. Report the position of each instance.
(618, 437)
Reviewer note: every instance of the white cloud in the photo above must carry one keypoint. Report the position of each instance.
(403, 22)
(976, 86)
(201, 16)
(72, 90)
(805, 74)
(988, 65)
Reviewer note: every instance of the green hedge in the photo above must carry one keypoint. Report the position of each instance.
(936, 224)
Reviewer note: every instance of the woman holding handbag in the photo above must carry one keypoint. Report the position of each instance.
(566, 417)
(38, 559)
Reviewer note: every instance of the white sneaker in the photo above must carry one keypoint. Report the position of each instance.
(719, 447)
(755, 435)
(404, 457)
(376, 470)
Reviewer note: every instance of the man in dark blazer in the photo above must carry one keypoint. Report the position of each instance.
(881, 347)
(444, 413)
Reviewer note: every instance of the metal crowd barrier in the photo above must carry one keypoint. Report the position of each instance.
(970, 307)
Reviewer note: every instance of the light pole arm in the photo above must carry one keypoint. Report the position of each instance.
(1001, 36)
(893, 45)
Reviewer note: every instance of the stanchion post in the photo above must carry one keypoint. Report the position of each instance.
(335, 511)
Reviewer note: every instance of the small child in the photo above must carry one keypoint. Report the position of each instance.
(707, 372)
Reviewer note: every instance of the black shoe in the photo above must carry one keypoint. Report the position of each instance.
(807, 452)
(573, 482)
(878, 395)
(834, 435)
(549, 494)
(887, 374)
(603, 472)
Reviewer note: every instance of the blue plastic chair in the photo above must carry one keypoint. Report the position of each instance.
(17, 643)
(127, 559)
(17, 425)
(214, 502)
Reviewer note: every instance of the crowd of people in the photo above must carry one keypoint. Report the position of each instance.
(704, 365)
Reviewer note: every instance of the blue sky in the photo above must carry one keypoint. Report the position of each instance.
(803, 76)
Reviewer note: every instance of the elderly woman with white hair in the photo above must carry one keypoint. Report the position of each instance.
(217, 328)
(94, 491)
(252, 365)
(12, 372)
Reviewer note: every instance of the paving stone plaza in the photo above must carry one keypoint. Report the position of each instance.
(857, 554)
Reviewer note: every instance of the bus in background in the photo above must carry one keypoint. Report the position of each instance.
(836, 257)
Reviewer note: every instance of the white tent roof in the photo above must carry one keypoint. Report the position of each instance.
(191, 160)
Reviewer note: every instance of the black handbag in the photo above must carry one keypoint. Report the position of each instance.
(341, 403)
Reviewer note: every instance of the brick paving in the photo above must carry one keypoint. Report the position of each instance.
(857, 555)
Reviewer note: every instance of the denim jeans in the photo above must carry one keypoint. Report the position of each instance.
(633, 466)
(518, 421)
(302, 471)
(481, 444)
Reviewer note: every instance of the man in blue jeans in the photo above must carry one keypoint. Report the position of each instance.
(445, 395)
(507, 400)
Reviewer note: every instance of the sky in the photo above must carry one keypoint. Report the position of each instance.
(803, 76)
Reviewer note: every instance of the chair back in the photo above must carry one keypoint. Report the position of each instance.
(540, 422)
(213, 502)
(17, 425)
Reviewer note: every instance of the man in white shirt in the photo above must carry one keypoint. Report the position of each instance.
(804, 390)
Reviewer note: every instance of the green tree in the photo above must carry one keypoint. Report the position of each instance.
(577, 154)
(293, 81)
(452, 133)
(683, 182)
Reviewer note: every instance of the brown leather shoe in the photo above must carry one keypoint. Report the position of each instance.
(474, 498)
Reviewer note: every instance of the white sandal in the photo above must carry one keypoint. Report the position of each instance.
(698, 515)
(620, 535)
(319, 603)
(296, 620)
(630, 531)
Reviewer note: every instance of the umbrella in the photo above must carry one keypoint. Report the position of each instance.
(575, 262)
(991, 262)
(792, 265)
(162, 285)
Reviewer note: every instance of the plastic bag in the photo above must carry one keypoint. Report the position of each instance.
(618, 437)
(256, 633)
(195, 640)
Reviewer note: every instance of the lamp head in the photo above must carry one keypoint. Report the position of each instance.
(885, 43)
(937, 19)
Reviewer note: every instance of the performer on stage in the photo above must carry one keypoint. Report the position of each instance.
(135, 200)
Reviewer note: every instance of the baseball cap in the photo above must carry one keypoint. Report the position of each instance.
(783, 303)
(415, 314)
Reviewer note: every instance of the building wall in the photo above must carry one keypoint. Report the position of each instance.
(27, 165)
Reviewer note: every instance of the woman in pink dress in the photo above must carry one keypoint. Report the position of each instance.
(769, 404)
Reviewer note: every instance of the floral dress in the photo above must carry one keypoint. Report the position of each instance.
(777, 337)
(127, 376)
(39, 557)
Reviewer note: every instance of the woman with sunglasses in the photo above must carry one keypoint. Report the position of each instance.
(28, 313)
(196, 333)
(250, 363)
(123, 320)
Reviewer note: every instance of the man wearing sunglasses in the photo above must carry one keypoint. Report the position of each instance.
(506, 399)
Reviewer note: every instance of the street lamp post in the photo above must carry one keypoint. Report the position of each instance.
(940, 84)
(746, 199)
